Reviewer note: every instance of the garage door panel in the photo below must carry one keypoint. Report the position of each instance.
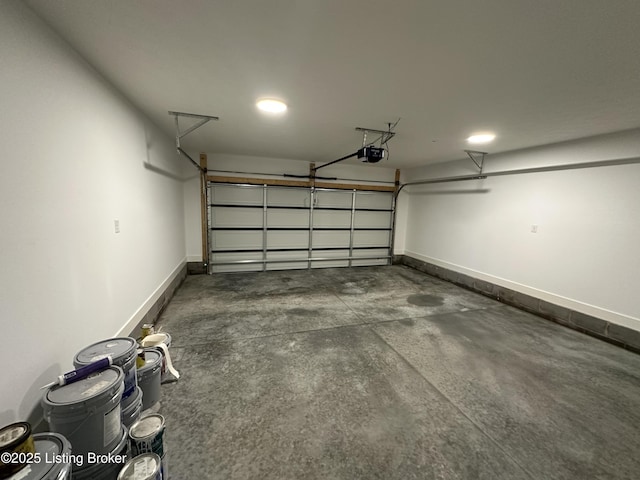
(254, 267)
(332, 199)
(288, 197)
(374, 200)
(324, 239)
(236, 240)
(332, 218)
(287, 265)
(236, 257)
(330, 264)
(287, 239)
(237, 216)
(370, 238)
(235, 195)
(287, 218)
(372, 220)
(370, 253)
(285, 260)
(330, 254)
(369, 262)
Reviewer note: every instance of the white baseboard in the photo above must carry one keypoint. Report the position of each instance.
(578, 306)
(132, 323)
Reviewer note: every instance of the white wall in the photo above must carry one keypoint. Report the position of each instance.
(585, 254)
(76, 156)
(261, 167)
(192, 209)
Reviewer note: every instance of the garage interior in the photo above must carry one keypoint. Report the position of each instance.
(353, 287)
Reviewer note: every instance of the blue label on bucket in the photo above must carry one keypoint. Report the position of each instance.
(130, 383)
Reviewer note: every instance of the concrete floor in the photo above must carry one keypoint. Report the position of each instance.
(385, 372)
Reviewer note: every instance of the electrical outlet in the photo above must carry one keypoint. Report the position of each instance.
(534, 228)
(116, 225)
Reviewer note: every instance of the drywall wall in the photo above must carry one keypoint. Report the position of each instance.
(268, 168)
(76, 156)
(584, 255)
(192, 209)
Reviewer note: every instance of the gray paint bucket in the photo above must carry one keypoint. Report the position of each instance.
(157, 339)
(132, 413)
(87, 412)
(142, 467)
(123, 353)
(50, 446)
(149, 377)
(105, 470)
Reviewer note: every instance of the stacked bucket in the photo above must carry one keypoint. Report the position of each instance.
(101, 416)
(123, 352)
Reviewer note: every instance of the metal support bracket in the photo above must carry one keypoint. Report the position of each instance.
(202, 120)
(385, 135)
(480, 163)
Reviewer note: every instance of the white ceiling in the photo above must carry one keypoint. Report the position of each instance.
(534, 72)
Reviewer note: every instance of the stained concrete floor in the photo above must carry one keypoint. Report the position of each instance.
(388, 373)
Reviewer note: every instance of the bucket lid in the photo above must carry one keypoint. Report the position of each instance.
(147, 426)
(92, 387)
(116, 347)
(47, 445)
(142, 467)
(153, 358)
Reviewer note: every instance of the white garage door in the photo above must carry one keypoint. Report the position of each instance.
(260, 227)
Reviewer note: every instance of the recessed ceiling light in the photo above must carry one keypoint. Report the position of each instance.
(271, 106)
(481, 138)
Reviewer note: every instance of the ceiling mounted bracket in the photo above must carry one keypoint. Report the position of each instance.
(479, 163)
(385, 135)
(202, 120)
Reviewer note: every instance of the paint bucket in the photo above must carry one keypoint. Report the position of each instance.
(132, 413)
(163, 342)
(123, 353)
(146, 435)
(143, 467)
(107, 468)
(87, 412)
(54, 451)
(17, 442)
(149, 377)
